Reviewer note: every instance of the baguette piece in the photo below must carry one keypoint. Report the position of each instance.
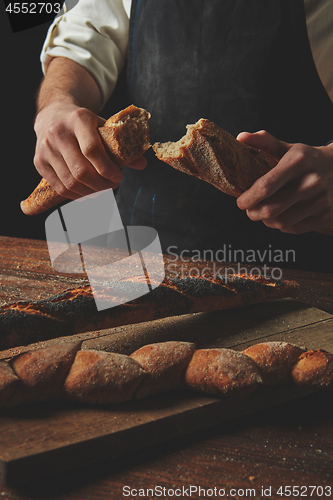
(165, 364)
(274, 360)
(74, 311)
(98, 377)
(222, 371)
(214, 156)
(125, 137)
(314, 369)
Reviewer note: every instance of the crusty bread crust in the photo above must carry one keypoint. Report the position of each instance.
(214, 156)
(98, 377)
(165, 364)
(74, 311)
(42, 373)
(274, 360)
(314, 369)
(222, 372)
(125, 137)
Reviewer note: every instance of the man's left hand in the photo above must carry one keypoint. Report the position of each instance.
(296, 196)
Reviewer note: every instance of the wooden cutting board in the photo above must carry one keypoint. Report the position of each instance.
(43, 439)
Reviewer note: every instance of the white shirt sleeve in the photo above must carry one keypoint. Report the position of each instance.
(95, 35)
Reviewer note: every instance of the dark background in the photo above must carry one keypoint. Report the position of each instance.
(21, 75)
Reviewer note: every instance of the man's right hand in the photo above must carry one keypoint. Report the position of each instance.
(70, 154)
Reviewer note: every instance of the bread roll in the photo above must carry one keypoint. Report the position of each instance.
(99, 377)
(165, 364)
(222, 371)
(274, 360)
(314, 369)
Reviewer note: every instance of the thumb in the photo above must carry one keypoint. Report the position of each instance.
(265, 142)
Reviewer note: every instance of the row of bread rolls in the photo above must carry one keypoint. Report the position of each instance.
(65, 371)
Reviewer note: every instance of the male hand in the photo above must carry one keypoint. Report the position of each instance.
(296, 196)
(70, 154)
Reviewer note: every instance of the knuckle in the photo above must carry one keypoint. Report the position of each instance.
(90, 149)
(78, 172)
(263, 187)
(61, 190)
(69, 183)
(264, 134)
(300, 154)
(56, 130)
(81, 114)
(314, 181)
(268, 212)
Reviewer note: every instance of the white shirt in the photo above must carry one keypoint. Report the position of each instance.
(95, 35)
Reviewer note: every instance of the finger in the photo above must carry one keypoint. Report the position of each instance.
(51, 177)
(61, 178)
(288, 169)
(300, 189)
(138, 164)
(297, 213)
(81, 174)
(266, 142)
(312, 223)
(274, 206)
(91, 147)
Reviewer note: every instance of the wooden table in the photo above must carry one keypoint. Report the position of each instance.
(288, 445)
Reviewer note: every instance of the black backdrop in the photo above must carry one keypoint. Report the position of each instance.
(20, 78)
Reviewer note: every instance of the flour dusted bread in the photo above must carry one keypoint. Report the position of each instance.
(125, 137)
(314, 369)
(214, 156)
(274, 360)
(222, 371)
(165, 364)
(74, 311)
(42, 373)
(99, 377)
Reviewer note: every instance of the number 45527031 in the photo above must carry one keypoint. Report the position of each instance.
(33, 8)
(305, 491)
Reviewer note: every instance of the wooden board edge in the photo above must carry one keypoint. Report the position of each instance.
(113, 445)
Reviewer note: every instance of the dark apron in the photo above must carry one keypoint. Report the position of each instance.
(245, 65)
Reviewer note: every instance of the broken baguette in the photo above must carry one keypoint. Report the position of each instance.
(125, 137)
(214, 156)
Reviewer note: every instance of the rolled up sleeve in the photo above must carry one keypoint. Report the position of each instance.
(93, 34)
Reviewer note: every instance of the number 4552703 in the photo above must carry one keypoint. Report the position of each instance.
(305, 491)
(33, 8)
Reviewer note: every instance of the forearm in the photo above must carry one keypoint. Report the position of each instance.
(66, 82)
